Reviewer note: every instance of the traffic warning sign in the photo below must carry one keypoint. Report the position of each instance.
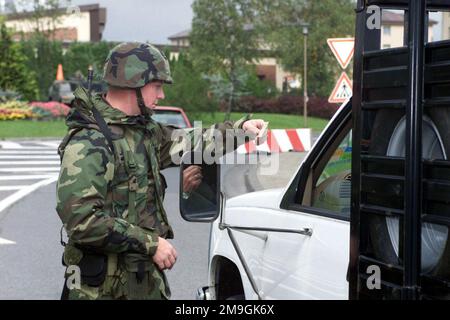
(343, 49)
(342, 91)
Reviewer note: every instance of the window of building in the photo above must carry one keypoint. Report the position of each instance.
(387, 30)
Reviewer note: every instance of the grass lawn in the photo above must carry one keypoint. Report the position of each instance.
(57, 128)
(32, 129)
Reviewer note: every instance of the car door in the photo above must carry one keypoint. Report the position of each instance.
(314, 266)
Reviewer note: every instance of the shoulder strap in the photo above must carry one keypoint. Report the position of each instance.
(104, 128)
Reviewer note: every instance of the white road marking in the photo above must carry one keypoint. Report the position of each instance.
(27, 152)
(28, 163)
(6, 242)
(10, 145)
(29, 148)
(5, 203)
(49, 144)
(12, 188)
(47, 169)
(29, 177)
(44, 157)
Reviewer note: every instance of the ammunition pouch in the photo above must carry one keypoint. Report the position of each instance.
(93, 266)
(139, 269)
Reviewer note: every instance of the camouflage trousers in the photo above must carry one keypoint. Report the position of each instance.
(129, 278)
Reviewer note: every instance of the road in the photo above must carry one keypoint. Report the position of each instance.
(30, 249)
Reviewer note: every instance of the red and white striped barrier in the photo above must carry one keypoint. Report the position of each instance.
(281, 140)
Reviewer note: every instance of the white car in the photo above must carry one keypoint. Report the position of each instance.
(293, 243)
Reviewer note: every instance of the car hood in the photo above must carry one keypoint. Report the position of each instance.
(269, 199)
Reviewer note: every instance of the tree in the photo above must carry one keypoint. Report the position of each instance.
(79, 56)
(189, 90)
(43, 59)
(14, 74)
(282, 20)
(224, 41)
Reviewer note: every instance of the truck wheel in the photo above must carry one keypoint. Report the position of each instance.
(388, 138)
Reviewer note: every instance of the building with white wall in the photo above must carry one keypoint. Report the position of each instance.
(446, 25)
(82, 23)
(393, 33)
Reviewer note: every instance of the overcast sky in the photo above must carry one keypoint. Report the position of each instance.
(156, 20)
(143, 20)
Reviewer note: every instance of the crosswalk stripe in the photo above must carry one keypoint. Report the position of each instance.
(28, 163)
(29, 157)
(47, 169)
(23, 177)
(10, 145)
(9, 152)
(30, 148)
(49, 144)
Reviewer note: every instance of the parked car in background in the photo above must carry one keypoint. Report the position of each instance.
(9, 95)
(61, 91)
(172, 116)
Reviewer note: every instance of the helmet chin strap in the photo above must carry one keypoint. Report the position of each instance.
(145, 111)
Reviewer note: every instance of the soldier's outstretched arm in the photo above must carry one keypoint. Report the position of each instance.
(86, 170)
(171, 148)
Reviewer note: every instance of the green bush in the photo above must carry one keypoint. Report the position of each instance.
(189, 90)
(15, 74)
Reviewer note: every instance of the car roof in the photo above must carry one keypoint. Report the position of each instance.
(165, 108)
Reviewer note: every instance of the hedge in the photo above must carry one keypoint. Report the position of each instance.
(317, 106)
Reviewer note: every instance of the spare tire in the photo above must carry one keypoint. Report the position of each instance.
(388, 139)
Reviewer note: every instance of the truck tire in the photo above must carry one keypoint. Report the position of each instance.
(387, 139)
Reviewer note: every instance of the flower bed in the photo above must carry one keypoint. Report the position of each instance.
(15, 110)
(55, 109)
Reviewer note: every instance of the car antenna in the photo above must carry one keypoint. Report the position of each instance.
(90, 79)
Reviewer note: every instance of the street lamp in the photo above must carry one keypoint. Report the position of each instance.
(305, 73)
(305, 27)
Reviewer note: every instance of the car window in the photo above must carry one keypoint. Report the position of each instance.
(65, 88)
(332, 190)
(170, 117)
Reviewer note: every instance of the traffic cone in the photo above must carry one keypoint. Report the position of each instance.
(60, 73)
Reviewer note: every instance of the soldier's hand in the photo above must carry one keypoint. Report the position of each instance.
(253, 126)
(192, 177)
(166, 255)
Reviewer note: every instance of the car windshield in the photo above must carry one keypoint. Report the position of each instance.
(169, 117)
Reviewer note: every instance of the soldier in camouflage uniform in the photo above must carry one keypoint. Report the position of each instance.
(110, 191)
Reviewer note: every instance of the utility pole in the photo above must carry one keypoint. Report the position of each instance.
(305, 74)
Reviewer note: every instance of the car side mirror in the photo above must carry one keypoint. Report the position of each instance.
(199, 196)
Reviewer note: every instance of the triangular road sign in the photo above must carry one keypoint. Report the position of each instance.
(343, 49)
(342, 91)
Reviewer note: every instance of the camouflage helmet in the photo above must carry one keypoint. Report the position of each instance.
(134, 64)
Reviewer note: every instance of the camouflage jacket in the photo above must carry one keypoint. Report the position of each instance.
(93, 186)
